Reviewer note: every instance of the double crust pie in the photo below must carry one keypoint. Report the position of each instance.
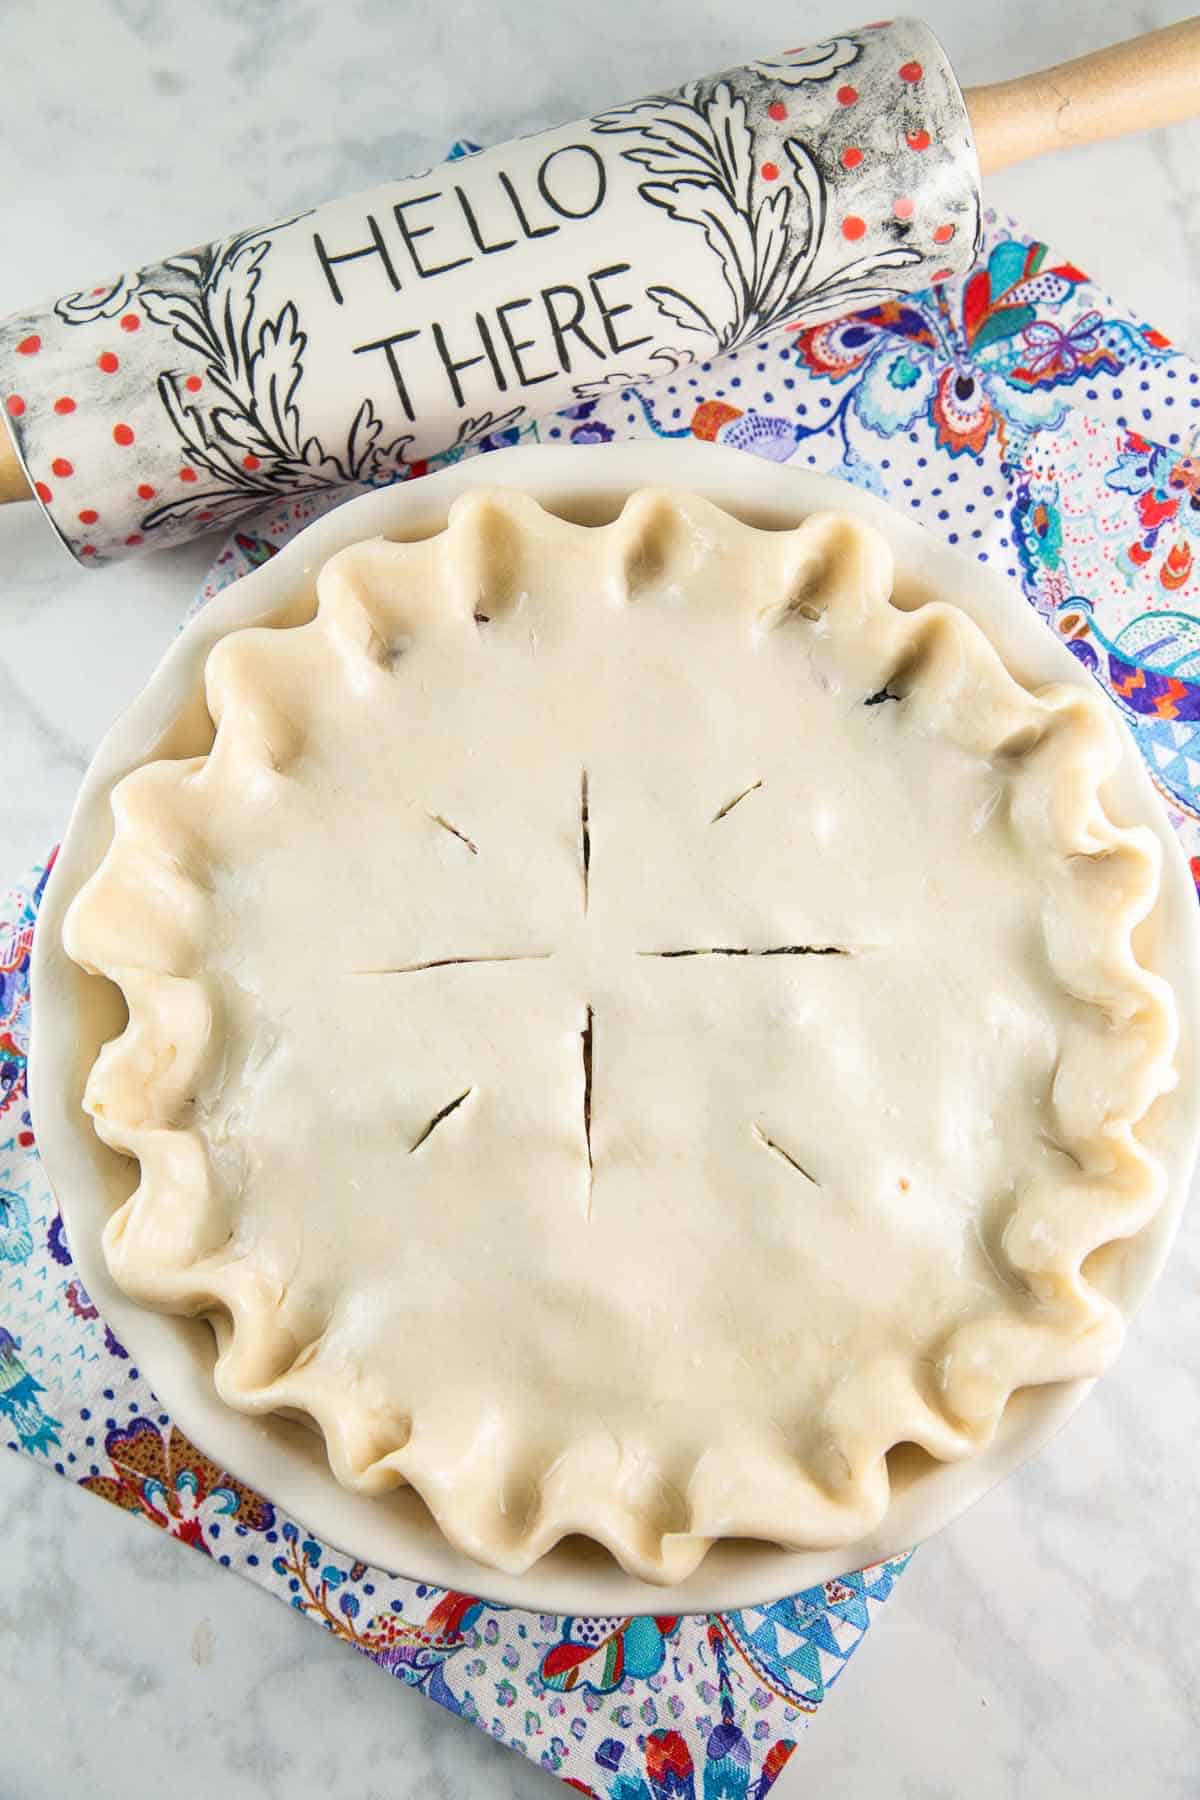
(627, 1025)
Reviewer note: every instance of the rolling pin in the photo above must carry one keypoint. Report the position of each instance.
(347, 344)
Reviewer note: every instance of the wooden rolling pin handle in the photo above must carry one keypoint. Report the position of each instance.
(1134, 86)
(13, 482)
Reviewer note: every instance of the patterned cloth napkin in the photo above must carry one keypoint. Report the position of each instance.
(1021, 415)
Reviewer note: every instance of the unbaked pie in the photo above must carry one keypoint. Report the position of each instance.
(628, 1024)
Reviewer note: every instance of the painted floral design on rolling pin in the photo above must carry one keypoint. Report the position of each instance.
(346, 345)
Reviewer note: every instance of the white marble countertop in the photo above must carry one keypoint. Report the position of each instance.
(1044, 1647)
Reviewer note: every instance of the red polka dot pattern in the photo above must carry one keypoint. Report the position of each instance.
(43, 492)
(890, 158)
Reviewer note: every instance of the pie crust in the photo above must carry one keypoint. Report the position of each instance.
(628, 1024)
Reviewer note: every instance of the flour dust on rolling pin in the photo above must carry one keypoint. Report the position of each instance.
(630, 245)
(349, 344)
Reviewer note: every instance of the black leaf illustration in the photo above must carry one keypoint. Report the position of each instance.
(674, 305)
(247, 440)
(700, 150)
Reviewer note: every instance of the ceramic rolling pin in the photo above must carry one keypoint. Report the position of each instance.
(346, 343)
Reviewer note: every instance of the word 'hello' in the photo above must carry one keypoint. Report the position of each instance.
(571, 184)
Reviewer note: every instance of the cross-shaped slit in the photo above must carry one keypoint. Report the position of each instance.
(450, 1107)
(587, 1033)
(768, 1143)
(456, 962)
(736, 801)
(744, 950)
(455, 832)
(585, 837)
(586, 1037)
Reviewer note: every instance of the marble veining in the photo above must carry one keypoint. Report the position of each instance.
(1047, 1639)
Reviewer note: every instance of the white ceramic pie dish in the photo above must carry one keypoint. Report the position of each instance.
(75, 1013)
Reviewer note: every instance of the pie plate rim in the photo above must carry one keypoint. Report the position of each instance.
(71, 1018)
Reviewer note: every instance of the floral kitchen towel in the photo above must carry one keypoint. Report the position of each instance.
(1024, 417)
(625, 1708)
